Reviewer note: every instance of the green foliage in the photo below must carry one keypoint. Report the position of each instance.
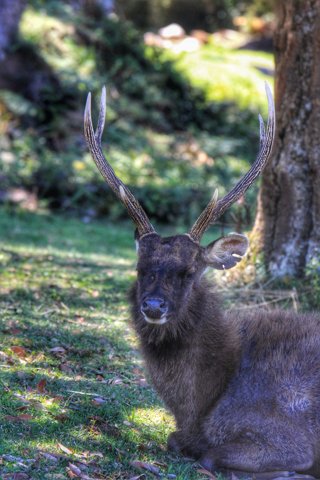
(209, 15)
(148, 77)
(230, 76)
(161, 122)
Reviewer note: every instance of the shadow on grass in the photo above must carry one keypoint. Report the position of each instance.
(65, 234)
(83, 426)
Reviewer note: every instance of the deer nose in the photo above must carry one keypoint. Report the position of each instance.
(154, 307)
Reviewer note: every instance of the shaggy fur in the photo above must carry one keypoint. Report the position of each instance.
(244, 389)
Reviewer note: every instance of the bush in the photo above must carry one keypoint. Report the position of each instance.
(212, 15)
(153, 125)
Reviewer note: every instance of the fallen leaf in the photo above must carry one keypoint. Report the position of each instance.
(100, 477)
(160, 464)
(203, 471)
(137, 371)
(71, 474)
(23, 407)
(19, 351)
(57, 350)
(75, 470)
(16, 476)
(138, 477)
(98, 401)
(146, 466)
(24, 417)
(89, 455)
(41, 387)
(61, 417)
(58, 398)
(142, 382)
(115, 381)
(66, 367)
(12, 330)
(36, 404)
(65, 449)
(12, 458)
(50, 457)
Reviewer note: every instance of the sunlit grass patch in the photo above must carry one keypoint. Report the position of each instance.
(227, 75)
(156, 422)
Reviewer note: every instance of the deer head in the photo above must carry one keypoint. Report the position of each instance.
(168, 268)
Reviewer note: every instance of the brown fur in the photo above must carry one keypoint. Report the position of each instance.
(244, 389)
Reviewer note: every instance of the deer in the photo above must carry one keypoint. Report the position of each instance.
(244, 388)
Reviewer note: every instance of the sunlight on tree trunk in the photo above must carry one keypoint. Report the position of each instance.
(288, 217)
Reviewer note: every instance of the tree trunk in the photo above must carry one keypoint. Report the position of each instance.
(288, 215)
(10, 13)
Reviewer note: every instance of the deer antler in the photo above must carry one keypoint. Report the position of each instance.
(215, 207)
(93, 139)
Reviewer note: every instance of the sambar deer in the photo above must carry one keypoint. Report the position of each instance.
(244, 388)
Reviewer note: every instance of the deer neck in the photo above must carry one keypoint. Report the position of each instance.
(190, 366)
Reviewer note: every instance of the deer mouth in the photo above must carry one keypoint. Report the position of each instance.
(154, 310)
(156, 321)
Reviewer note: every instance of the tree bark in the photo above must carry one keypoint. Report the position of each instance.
(10, 13)
(288, 217)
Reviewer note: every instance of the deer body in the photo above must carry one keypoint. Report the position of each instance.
(244, 389)
(188, 392)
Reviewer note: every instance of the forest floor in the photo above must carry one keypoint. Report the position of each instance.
(74, 398)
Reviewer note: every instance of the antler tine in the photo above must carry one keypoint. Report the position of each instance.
(93, 139)
(262, 131)
(102, 114)
(215, 209)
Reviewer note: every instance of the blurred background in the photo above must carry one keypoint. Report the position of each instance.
(185, 84)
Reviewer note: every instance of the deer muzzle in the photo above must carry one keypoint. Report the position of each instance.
(154, 310)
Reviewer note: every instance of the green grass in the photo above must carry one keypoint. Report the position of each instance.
(229, 75)
(63, 302)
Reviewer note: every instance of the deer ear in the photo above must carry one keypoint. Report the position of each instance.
(227, 251)
(136, 239)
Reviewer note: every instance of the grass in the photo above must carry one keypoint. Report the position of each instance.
(74, 399)
(229, 75)
(73, 389)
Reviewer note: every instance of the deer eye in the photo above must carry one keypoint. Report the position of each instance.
(185, 274)
(189, 274)
(152, 277)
